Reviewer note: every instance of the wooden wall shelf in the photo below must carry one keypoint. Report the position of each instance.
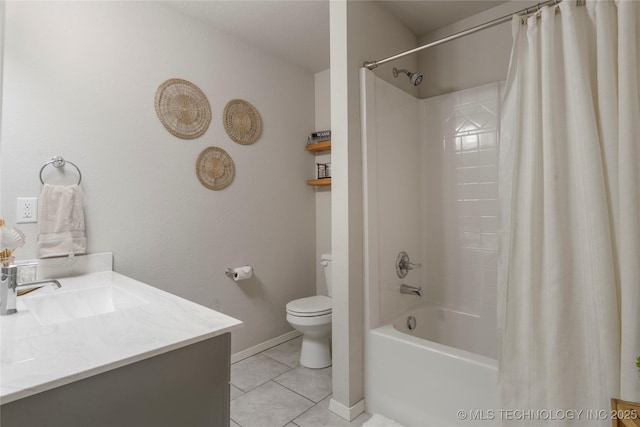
(319, 146)
(322, 181)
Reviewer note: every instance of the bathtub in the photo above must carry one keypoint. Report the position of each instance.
(426, 376)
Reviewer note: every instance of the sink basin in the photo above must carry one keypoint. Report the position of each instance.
(63, 306)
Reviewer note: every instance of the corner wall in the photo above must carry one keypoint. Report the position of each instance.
(80, 80)
(360, 31)
(323, 193)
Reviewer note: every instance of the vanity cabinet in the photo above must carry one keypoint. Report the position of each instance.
(188, 386)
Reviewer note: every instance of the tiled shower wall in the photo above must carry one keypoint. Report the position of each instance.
(460, 152)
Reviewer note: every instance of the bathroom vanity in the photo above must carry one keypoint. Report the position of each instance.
(107, 350)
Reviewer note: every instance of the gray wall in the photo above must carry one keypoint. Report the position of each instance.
(355, 38)
(471, 61)
(2, 19)
(323, 193)
(80, 80)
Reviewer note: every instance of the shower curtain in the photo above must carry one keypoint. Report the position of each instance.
(569, 187)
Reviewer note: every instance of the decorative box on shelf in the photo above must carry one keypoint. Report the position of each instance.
(319, 136)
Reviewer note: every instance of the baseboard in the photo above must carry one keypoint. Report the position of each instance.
(348, 413)
(236, 357)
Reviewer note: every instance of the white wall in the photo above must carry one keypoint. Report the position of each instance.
(470, 61)
(393, 197)
(431, 190)
(323, 193)
(360, 31)
(460, 174)
(80, 80)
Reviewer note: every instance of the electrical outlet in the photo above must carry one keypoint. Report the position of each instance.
(27, 210)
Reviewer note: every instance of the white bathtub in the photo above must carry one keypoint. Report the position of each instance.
(425, 377)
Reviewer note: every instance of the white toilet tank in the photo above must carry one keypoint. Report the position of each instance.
(325, 261)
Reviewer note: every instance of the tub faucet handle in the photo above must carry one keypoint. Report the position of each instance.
(403, 265)
(411, 265)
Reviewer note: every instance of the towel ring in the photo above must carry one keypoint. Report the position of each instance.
(58, 162)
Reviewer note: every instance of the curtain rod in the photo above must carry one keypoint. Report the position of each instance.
(373, 64)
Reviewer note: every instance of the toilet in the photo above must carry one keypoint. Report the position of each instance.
(312, 317)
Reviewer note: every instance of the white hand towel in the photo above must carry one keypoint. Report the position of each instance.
(61, 217)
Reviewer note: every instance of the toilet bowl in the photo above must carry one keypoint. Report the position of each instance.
(312, 317)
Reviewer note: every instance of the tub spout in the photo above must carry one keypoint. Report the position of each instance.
(411, 290)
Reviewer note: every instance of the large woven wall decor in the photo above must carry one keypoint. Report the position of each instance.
(215, 168)
(182, 108)
(242, 122)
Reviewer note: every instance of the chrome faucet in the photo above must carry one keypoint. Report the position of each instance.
(411, 290)
(9, 287)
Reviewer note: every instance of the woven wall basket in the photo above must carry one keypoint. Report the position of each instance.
(242, 122)
(215, 168)
(182, 108)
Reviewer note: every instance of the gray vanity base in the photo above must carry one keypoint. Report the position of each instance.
(184, 387)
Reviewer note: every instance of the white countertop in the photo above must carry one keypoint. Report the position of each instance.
(35, 357)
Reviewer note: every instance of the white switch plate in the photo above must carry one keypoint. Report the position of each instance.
(27, 210)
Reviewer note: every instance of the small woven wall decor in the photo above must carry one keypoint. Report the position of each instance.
(215, 168)
(242, 121)
(182, 108)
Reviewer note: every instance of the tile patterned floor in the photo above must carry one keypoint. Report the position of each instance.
(271, 389)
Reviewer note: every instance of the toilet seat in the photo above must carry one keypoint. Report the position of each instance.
(318, 305)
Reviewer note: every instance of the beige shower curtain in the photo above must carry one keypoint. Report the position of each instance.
(569, 183)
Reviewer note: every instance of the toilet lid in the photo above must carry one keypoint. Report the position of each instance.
(311, 306)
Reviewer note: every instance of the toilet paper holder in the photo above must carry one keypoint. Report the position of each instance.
(239, 273)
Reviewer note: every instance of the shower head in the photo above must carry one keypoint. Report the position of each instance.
(416, 78)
